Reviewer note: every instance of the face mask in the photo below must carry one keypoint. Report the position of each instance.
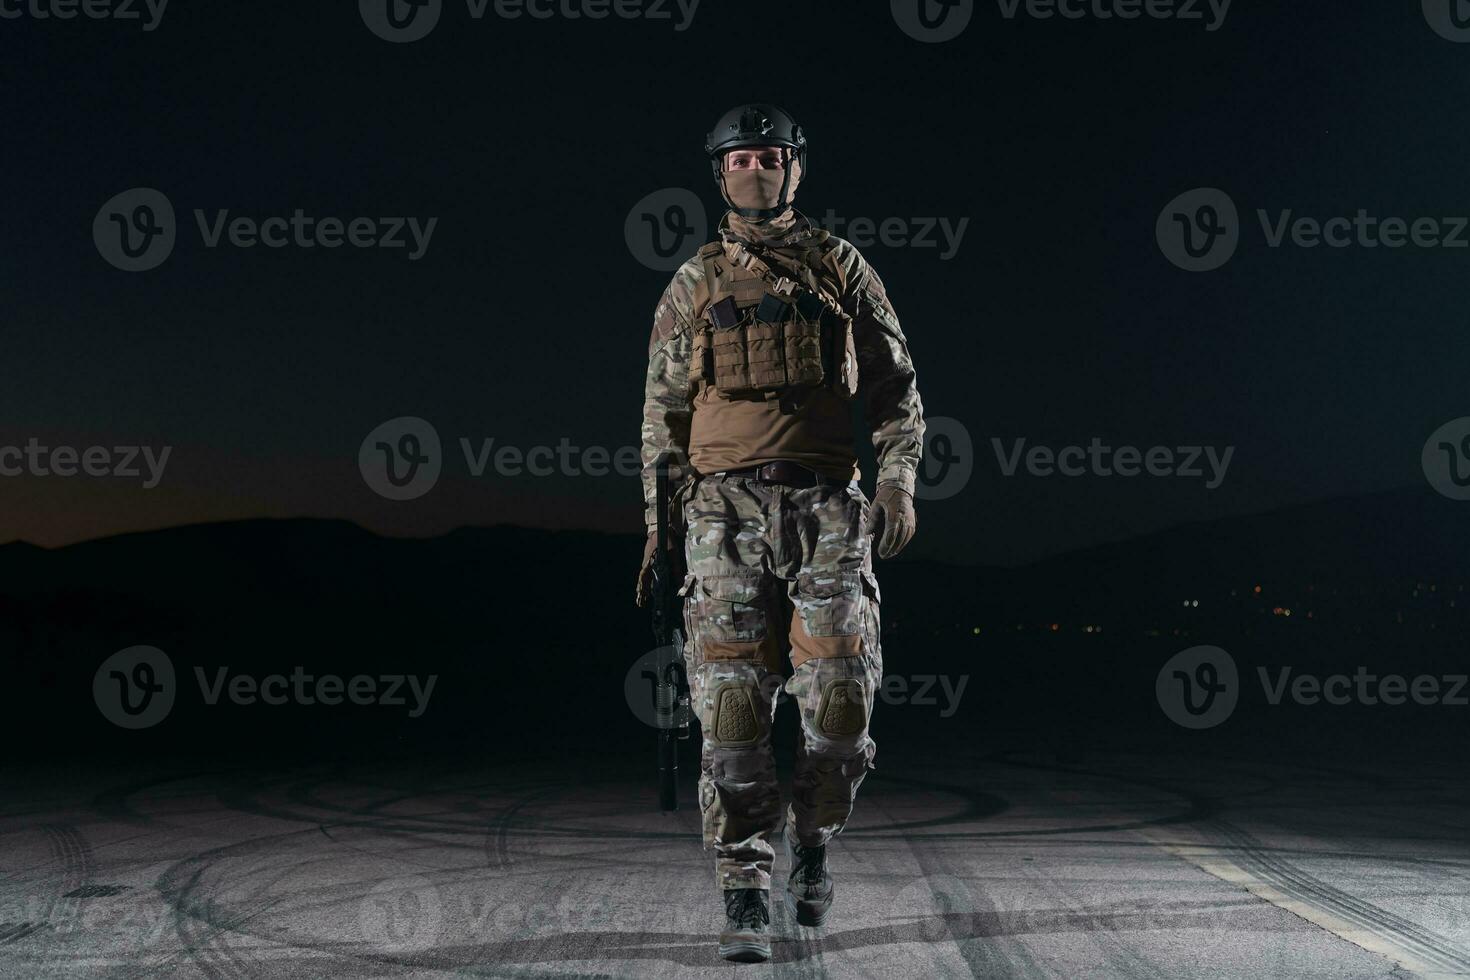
(759, 189)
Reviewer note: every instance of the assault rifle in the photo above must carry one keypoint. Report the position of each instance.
(670, 684)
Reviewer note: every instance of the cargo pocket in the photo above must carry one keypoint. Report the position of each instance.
(709, 815)
(732, 617)
(828, 602)
(827, 623)
(873, 626)
(686, 606)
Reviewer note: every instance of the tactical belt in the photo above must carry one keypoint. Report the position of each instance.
(786, 473)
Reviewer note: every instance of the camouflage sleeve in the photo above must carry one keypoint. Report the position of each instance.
(895, 415)
(666, 406)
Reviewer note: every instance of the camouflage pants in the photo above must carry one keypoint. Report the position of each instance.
(777, 571)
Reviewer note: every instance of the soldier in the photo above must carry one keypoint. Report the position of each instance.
(760, 344)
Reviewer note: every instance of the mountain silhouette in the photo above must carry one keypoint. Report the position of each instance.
(531, 632)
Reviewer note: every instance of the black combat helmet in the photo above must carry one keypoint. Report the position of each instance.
(756, 124)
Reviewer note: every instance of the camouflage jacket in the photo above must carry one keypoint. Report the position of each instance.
(885, 371)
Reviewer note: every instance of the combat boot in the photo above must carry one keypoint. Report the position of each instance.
(809, 887)
(747, 935)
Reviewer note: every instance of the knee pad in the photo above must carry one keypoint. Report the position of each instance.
(843, 711)
(734, 720)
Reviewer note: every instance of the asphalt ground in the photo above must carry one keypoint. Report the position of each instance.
(1007, 864)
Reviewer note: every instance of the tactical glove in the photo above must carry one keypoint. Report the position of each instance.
(892, 513)
(645, 571)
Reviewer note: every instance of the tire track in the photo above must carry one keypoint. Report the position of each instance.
(983, 956)
(1119, 957)
(1423, 948)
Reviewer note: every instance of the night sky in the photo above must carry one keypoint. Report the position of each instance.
(526, 320)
